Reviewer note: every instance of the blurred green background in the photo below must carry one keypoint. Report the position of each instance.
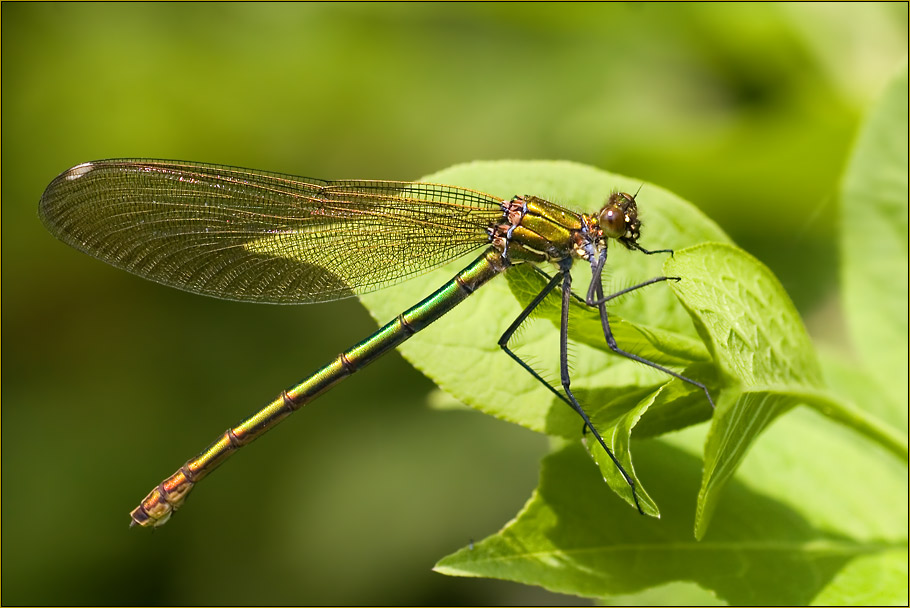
(109, 382)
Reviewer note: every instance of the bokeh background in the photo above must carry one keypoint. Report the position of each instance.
(109, 382)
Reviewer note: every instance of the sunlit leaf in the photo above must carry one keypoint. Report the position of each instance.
(790, 531)
(873, 240)
(460, 352)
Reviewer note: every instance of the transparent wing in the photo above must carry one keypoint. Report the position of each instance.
(257, 236)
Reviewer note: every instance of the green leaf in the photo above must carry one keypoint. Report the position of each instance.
(873, 238)
(460, 352)
(788, 519)
(851, 382)
(757, 339)
(791, 530)
(747, 319)
(618, 436)
(879, 579)
(845, 412)
(759, 343)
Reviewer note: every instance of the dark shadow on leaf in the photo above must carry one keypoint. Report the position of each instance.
(576, 536)
(785, 557)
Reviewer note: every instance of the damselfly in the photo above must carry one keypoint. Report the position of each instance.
(258, 236)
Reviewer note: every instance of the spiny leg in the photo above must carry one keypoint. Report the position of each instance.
(590, 301)
(507, 335)
(577, 297)
(593, 303)
(647, 252)
(595, 297)
(566, 381)
(564, 276)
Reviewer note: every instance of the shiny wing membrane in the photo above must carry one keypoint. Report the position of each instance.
(258, 236)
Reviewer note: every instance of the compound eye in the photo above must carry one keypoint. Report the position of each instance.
(612, 221)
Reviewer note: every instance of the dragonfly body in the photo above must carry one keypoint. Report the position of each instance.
(266, 237)
(157, 507)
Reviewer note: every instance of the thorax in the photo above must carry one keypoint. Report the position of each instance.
(533, 229)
